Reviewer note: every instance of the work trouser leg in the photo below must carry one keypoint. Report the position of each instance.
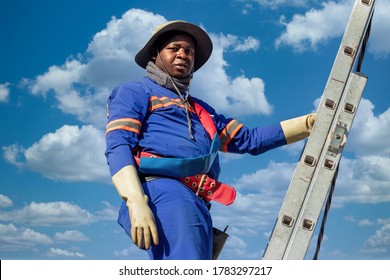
(183, 221)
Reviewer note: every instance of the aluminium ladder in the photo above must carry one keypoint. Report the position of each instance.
(313, 175)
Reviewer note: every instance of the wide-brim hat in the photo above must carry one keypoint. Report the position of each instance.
(203, 50)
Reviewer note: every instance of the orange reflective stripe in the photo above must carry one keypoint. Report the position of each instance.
(128, 124)
(228, 133)
(156, 103)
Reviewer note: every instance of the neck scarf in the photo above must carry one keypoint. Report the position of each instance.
(178, 86)
(164, 80)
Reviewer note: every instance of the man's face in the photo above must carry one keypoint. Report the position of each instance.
(177, 54)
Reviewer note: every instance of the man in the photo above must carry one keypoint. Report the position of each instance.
(162, 147)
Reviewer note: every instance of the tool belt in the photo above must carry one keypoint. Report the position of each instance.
(202, 185)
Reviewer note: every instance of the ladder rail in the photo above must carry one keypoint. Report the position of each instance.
(301, 187)
(323, 176)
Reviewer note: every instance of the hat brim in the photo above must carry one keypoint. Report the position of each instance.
(203, 42)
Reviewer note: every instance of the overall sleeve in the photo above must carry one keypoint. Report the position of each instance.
(126, 108)
(237, 138)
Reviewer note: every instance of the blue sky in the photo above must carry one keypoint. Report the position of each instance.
(59, 60)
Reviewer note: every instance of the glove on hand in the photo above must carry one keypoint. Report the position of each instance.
(298, 128)
(143, 224)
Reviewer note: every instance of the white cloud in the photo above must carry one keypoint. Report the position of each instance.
(131, 253)
(249, 43)
(74, 96)
(56, 252)
(315, 27)
(370, 133)
(363, 180)
(247, 8)
(234, 96)
(235, 246)
(273, 4)
(13, 238)
(12, 154)
(268, 181)
(109, 212)
(379, 243)
(258, 194)
(70, 154)
(4, 92)
(49, 214)
(378, 42)
(318, 26)
(82, 84)
(70, 235)
(5, 201)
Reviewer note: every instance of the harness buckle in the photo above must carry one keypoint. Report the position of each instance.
(201, 183)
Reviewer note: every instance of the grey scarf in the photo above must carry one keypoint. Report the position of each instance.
(178, 86)
(164, 80)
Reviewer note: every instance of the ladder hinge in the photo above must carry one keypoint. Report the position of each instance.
(335, 145)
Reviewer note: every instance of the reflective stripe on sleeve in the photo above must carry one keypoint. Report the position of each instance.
(128, 124)
(228, 133)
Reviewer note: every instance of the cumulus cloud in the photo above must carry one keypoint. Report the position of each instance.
(249, 43)
(379, 243)
(74, 96)
(370, 133)
(70, 153)
(363, 180)
(70, 235)
(131, 253)
(274, 4)
(49, 214)
(14, 238)
(20, 233)
(82, 84)
(5, 201)
(109, 212)
(4, 92)
(318, 26)
(235, 96)
(61, 253)
(314, 28)
(379, 45)
(236, 246)
(258, 194)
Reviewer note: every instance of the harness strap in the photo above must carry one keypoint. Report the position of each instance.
(191, 171)
(180, 167)
(202, 185)
(204, 118)
(210, 189)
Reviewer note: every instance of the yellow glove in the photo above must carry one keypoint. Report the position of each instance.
(298, 128)
(143, 224)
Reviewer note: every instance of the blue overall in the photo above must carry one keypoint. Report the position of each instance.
(145, 116)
